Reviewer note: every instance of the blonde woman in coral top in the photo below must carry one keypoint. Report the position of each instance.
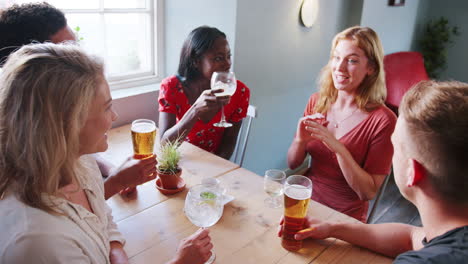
(346, 127)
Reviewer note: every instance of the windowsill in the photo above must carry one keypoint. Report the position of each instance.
(128, 92)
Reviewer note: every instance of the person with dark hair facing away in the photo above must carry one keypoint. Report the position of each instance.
(41, 22)
(23, 24)
(430, 167)
(188, 108)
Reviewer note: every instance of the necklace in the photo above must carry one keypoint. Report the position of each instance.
(335, 124)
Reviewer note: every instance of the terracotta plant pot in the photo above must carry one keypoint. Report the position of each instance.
(169, 181)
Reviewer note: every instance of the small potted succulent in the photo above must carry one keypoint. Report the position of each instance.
(168, 165)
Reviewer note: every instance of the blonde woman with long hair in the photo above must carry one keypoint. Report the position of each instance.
(55, 110)
(346, 127)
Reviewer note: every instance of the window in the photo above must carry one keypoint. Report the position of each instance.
(125, 33)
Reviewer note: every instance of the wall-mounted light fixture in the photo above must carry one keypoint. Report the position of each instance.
(309, 12)
(396, 2)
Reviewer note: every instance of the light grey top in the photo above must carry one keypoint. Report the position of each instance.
(29, 235)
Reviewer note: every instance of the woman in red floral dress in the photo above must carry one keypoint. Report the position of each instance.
(187, 106)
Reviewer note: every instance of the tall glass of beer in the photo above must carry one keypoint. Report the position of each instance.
(143, 135)
(297, 193)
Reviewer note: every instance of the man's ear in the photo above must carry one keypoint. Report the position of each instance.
(418, 173)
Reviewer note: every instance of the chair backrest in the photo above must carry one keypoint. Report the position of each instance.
(374, 204)
(402, 71)
(243, 137)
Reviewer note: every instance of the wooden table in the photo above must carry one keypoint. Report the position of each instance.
(154, 224)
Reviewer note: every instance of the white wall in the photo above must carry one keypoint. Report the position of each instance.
(136, 107)
(395, 25)
(279, 60)
(182, 16)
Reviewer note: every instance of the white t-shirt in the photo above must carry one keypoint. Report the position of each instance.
(30, 235)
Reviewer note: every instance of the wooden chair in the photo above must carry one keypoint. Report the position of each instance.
(243, 137)
(402, 71)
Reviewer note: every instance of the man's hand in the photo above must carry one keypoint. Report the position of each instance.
(313, 228)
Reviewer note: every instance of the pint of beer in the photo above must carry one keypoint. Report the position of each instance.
(143, 135)
(297, 193)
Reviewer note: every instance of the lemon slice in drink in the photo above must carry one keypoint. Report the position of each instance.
(208, 198)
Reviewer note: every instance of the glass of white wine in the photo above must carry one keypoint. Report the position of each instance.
(226, 81)
(273, 186)
(204, 207)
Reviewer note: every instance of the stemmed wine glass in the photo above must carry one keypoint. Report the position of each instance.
(204, 207)
(273, 186)
(227, 82)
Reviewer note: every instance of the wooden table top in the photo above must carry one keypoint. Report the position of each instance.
(153, 224)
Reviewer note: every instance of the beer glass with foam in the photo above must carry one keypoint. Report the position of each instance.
(143, 136)
(297, 193)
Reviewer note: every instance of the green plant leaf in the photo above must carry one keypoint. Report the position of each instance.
(169, 156)
(438, 34)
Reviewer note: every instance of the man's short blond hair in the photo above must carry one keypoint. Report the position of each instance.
(437, 118)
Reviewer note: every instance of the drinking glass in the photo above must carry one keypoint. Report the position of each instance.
(273, 186)
(204, 207)
(227, 82)
(143, 135)
(297, 193)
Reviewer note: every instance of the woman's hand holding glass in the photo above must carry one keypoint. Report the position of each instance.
(208, 104)
(134, 172)
(204, 207)
(305, 127)
(195, 249)
(320, 132)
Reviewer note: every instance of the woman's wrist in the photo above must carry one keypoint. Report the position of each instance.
(112, 185)
(193, 114)
(342, 151)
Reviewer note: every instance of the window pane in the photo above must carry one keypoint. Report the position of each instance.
(127, 43)
(91, 32)
(122, 40)
(125, 3)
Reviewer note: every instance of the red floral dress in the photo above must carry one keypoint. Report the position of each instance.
(172, 99)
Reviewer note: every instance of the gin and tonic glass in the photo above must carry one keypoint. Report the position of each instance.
(204, 207)
(273, 186)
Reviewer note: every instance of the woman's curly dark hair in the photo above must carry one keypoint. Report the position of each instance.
(26, 23)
